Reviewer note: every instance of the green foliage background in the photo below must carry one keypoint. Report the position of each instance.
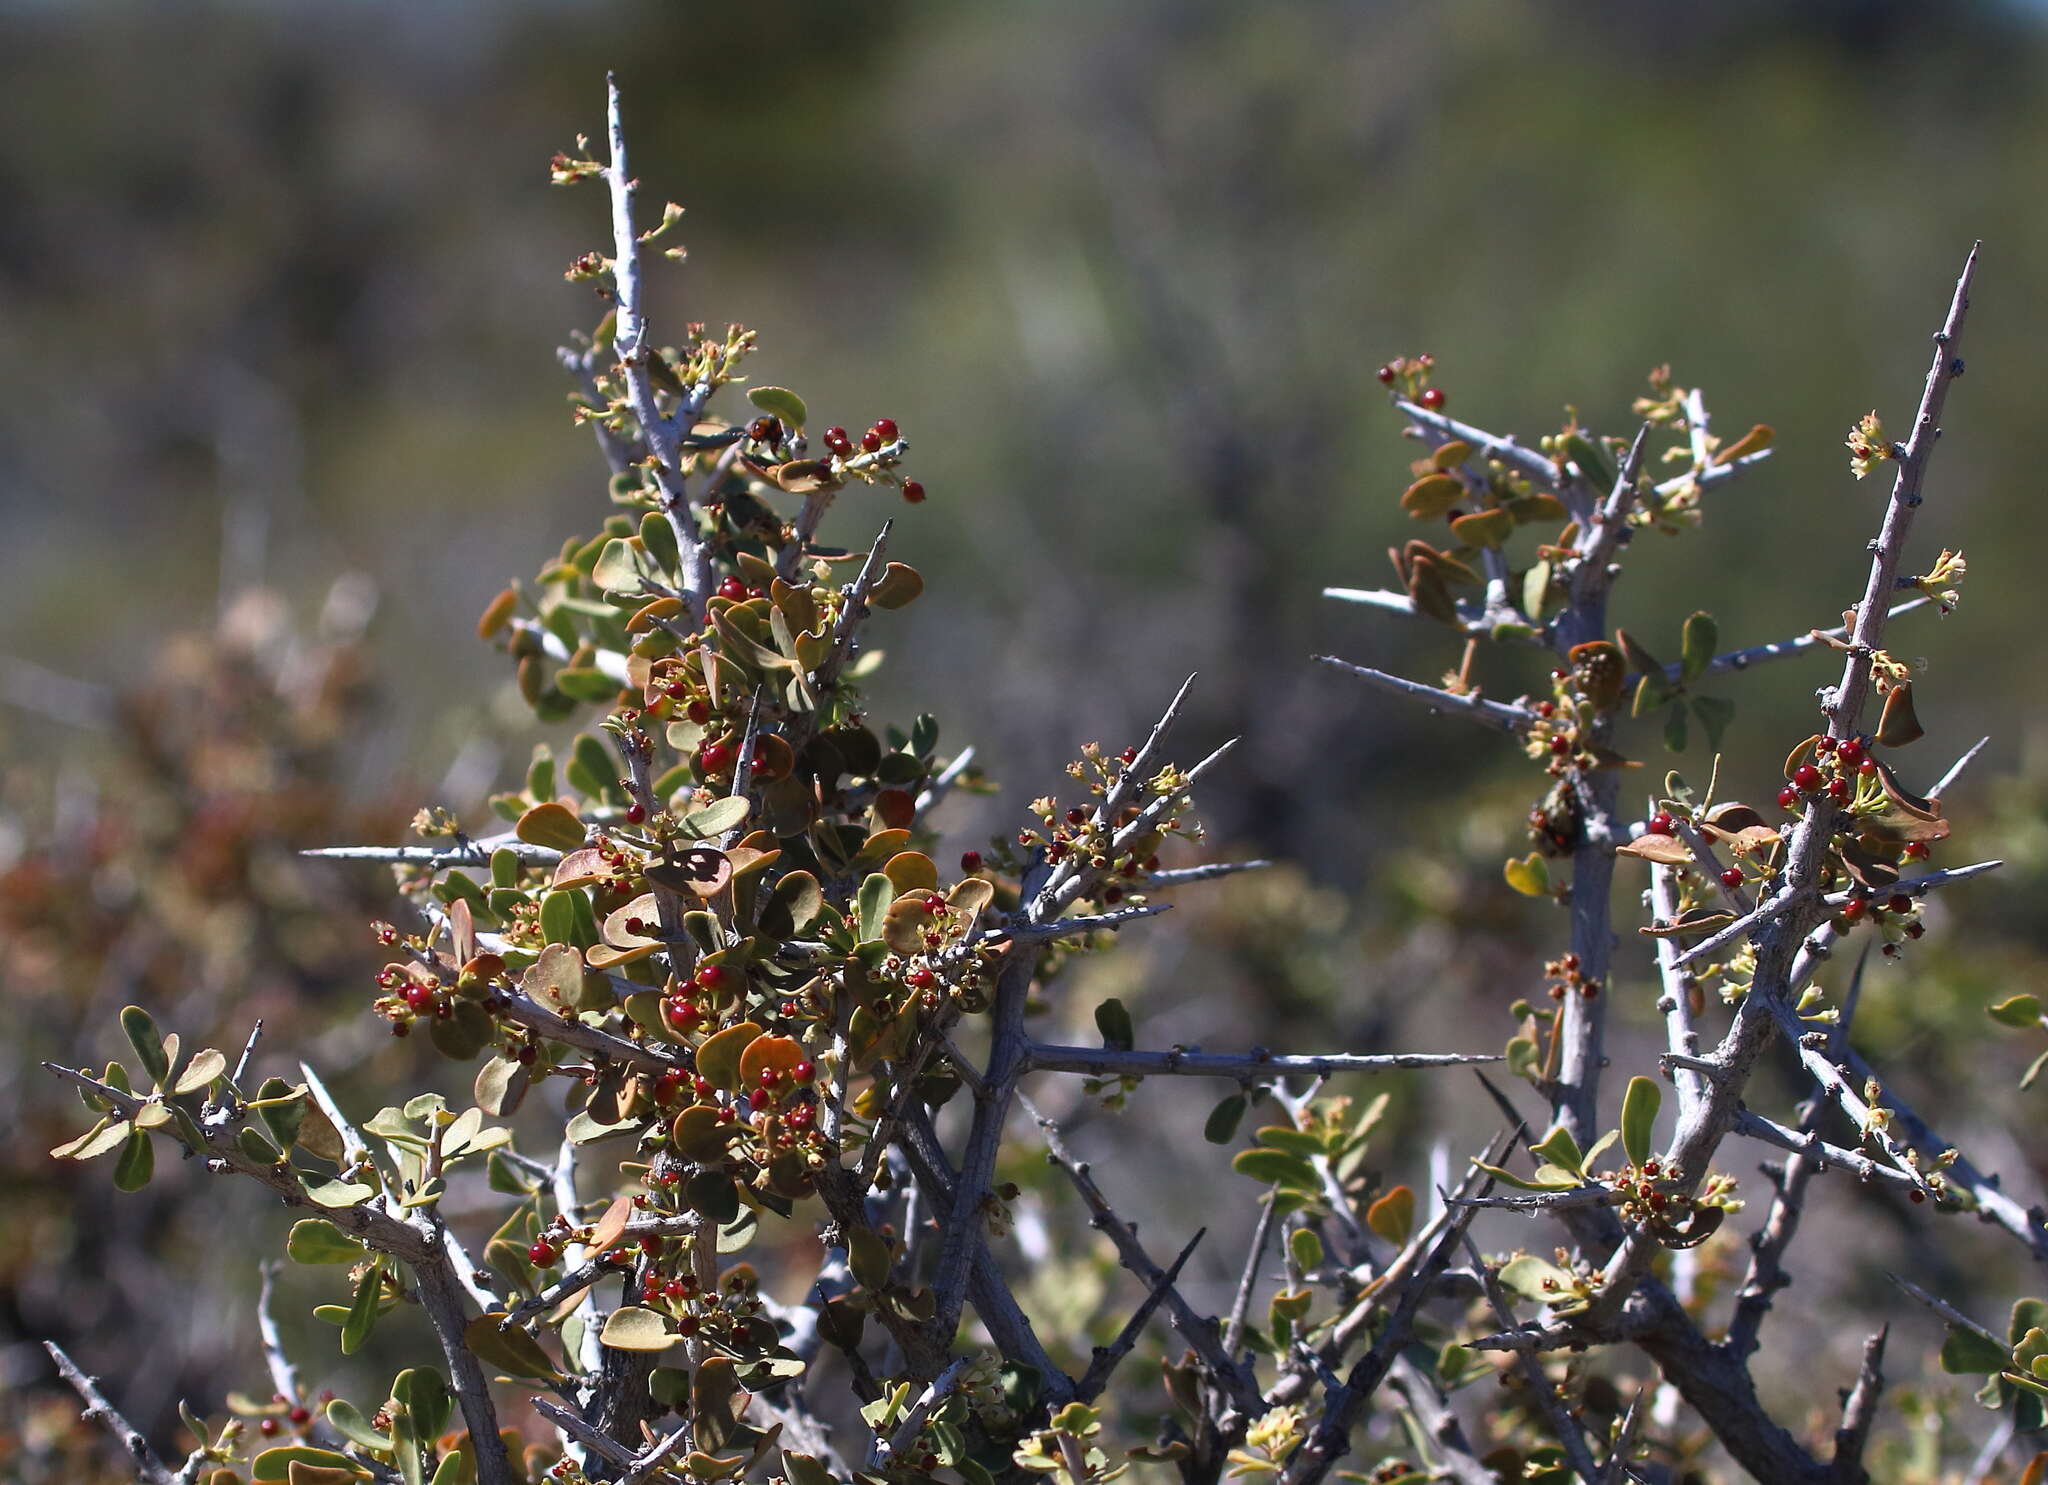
(279, 286)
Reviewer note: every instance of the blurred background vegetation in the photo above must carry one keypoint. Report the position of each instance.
(279, 290)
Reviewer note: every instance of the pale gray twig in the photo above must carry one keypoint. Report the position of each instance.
(1475, 708)
(1243, 1066)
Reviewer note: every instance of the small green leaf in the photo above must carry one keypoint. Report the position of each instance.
(1305, 1248)
(1966, 1352)
(142, 1036)
(426, 1395)
(1560, 1149)
(362, 1311)
(316, 1240)
(711, 1192)
(876, 893)
(1276, 1168)
(897, 586)
(780, 402)
(1393, 1216)
(204, 1067)
(2018, 1010)
(1534, 1278)
(1528, 875)
(659, 538)
(619, 567)
(1715, 713)
(1593, 465)
(631, 1328)
(1220, 1128)
(349, 1422)
(2028, 1316)
(1521, 1183)
(136, 1163)
(552, 825)
(1535, 589)
(558, 918)
(1114, 1022)
(336, 1194)
(1696, 650)
(274, 1465)
(585, 683)
(1675, 731)
(715, 818)
(1639, 1108)
(511, 1351)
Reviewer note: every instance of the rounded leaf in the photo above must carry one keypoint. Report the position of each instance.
(552, 825)
(718, 1059)
(1393, 1216)
(1639, 1108)
(316, 1240)
(781, 403)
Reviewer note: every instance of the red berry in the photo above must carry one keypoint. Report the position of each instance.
(1560, 744)
(870, 441)
(711, 976)
(635, 813)
(684, 1014)
(1787, 797)
(716, 758)
(732, 588)
(1916, 1194)
(837, 441)
(1432, 398)
(803, 1072)
(1386, 374)
(542, 1254)
(885, 429)
(1661, 823)
(674, 1289)
(760, 1099)
(268, 1428)
(1867, 767)
(1851, 750)
(970, 861)
(921, 978)
(1732, 877)
(702, 1087)
(667, 1086)
(1807, 777)
(301, 1416)
(770, 1077)
(1824, 744)
(1852, 909)
(697, 712)
(1917, 850)
(934, 904)
(1900, 903)
(913, 492)
(636, 925)
(1838, 790)
(419, 996)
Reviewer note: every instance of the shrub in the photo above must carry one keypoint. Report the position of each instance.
(785, 1035)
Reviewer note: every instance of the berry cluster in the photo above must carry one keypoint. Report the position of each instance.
(1410, 376)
